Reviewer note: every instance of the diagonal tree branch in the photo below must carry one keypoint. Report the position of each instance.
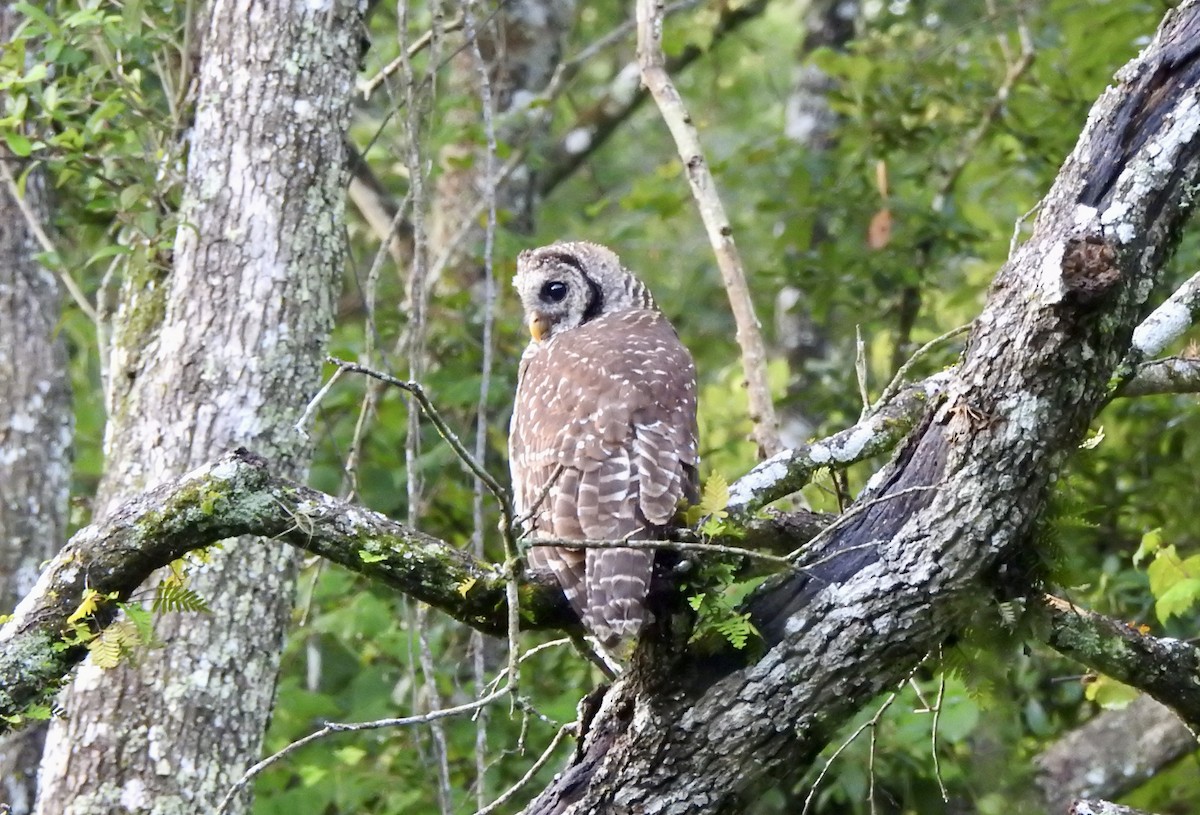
(1167, 669)
(653, 64)
(886, 589)
(1112, 753)
(240, 495)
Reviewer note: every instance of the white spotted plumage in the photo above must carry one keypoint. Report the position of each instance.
(605, 414)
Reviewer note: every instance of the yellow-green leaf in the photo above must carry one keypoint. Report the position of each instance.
(87, 606)
(716, 496)
(1109, 693)
(1151, 543)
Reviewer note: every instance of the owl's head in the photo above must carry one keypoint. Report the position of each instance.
(564, 285)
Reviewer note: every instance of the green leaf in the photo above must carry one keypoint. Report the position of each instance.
(174, 596)
(1151, 543)
(1165, 571)
(18, 143)
(715, 496)
(1109, 693)
(1179, 599)
(39, 713)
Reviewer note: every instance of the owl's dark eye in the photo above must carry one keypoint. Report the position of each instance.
(553, 292)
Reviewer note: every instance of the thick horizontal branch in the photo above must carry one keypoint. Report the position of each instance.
(239, 495)
(785, 473)
(1167, 669)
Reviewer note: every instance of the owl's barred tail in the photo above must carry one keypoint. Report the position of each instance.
(616, 602)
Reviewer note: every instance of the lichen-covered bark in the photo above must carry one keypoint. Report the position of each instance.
(35, 430)
(223, 350)
(1166, 668)
(957, 501)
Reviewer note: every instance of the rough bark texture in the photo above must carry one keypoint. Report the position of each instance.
(223, 350)
(35, 432)
(1113, 753)
(958, 500)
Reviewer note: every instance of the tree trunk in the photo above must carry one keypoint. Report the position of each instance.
(223, 350)
(35, 430)
(521, 46)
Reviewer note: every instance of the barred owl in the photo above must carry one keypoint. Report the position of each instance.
(603, 438)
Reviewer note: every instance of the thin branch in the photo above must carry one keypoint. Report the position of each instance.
(443, 429)
(668, 545)
(368, 86)
(569, 729)
(481, 411)
(991, 115)
(903, 371)
(47, 245)
(352, 727)
(1169, 375)
(933, 736)
(1169, 321)
(313, 403)
(861, 506)
(716, 223)
(870, 723)
(593, 127)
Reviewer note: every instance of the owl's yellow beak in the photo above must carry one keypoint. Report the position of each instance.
(539, 326)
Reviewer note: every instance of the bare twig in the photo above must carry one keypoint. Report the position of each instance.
(367, 86)
(716, 223)
(1012, 76)
(414, 340)
(534, 651)
(311, 408)
(933, 737)
(655, 545)
(331, 728)
(439, 424)
(47, 245)
(870, 723)
(860, 372)
(566, 730)
(481, 413)
(857, 509)
(902, 372)
(600, 120)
